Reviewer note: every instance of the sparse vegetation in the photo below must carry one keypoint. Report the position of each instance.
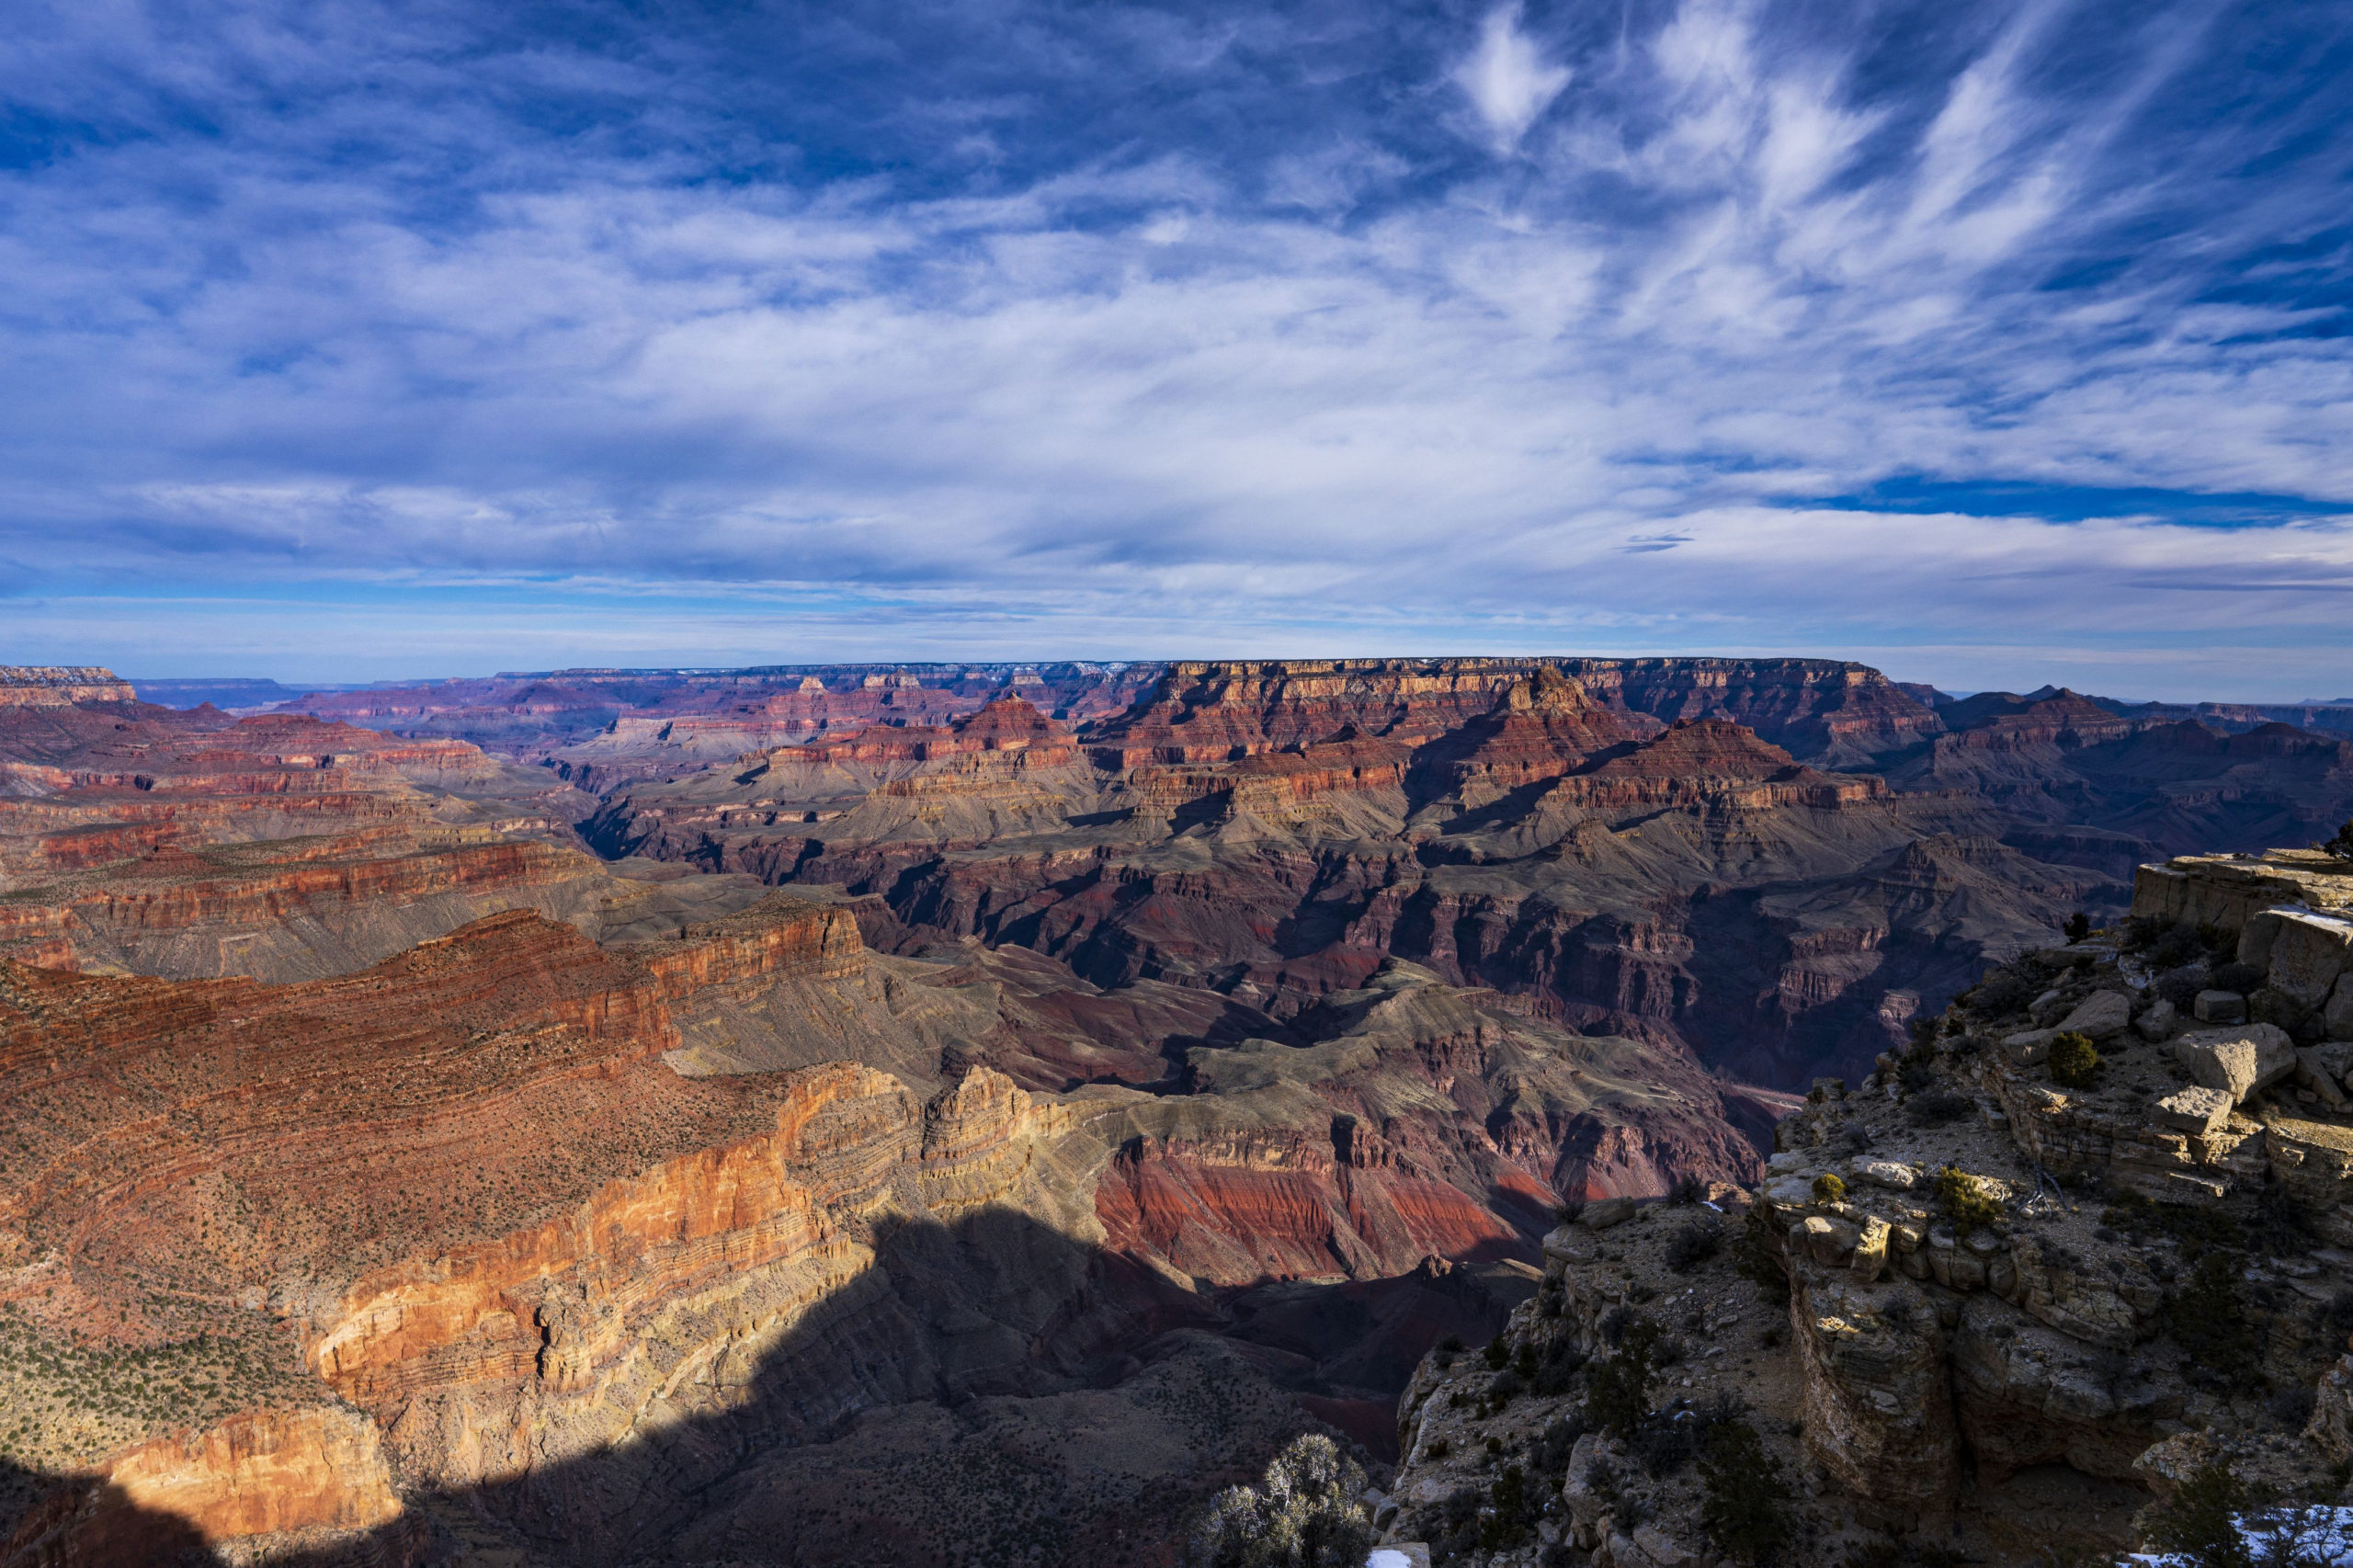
(1939, 1108)
(2003, 993)
(2199, 1521)
(1618, 1389)
(2239, 977)
(2209, 1322)
(1752, 1260)
(1828, 1188)
(2079, 926)
(1693, 1246)
(1742, 1495)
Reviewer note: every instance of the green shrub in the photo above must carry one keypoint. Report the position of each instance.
(2002, 993)
(2239, 977)
(1496, 1353)
(1693, 1246)
(2208, 1320)
(2074, 1059)
(1752, 1260)
(2079, 926)
(1617, 1392)
(1741, 1505)
(1511, 1511)
(1966, 1199)
(1828, 1188)
(1304, 1514)
(2199, 1523)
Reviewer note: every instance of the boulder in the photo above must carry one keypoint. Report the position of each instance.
(1659, 1548)
(2340, 1017)
(2331, 1427)
(1790, 1191)
(2029, 1047)
(1602, 1213)
(2221, 1007)
(2238, 1061)
(1884, 1172)
(2308, 953)
(2256, 936)
(1870, 1250)
(2160, 1023)
(1786, 1162)
(2103, 1016)
(1826, 1241)
(2313, 1074)
(2198, 1113)
(1587, 1505)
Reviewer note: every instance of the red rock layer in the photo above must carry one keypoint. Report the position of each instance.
(1710, 763)
(1240, 1208)
(1544, 726)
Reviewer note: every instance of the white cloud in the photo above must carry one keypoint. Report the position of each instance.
(1305, 383)
(1508, 78)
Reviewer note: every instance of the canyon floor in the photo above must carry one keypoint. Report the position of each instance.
(905, 1115)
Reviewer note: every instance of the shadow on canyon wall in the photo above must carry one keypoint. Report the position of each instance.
(988, 1392)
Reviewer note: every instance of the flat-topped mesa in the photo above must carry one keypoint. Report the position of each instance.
(1814, 706)
(60, 686)
(1219, 712)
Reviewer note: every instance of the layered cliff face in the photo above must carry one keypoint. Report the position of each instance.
(1273, 834)
(603, 1272)
(607, 726)
(2075, 1250)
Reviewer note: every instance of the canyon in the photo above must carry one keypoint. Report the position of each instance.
(611, 1116)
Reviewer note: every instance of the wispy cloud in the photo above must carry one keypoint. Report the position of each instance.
(1508, 79)
(1015, 323)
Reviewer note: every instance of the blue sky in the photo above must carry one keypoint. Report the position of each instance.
(1990, 343)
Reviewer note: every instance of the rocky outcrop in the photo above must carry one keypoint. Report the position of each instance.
(2018, 1309)
(60, 686)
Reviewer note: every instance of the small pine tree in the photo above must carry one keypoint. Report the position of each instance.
(1617, 1393)
(2342, 845)
(1741, 1505)
(2079, 926)
(2199, 1524)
